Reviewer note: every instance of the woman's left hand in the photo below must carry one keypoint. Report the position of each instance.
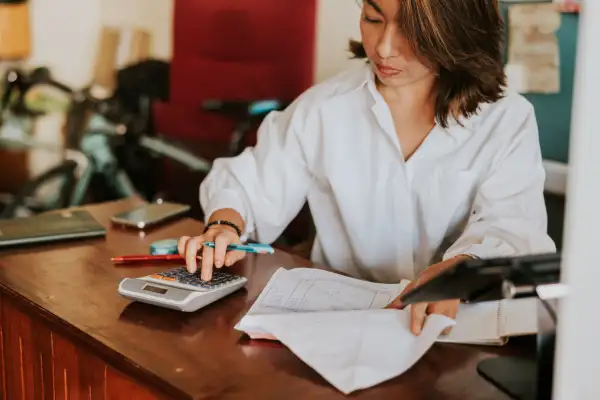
(420, 311)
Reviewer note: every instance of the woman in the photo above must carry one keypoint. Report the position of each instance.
(412, 162)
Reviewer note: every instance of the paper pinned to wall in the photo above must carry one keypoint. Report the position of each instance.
(533, 52)
(516, 77)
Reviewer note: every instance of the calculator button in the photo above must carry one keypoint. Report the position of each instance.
(182, 275)
(163, 277)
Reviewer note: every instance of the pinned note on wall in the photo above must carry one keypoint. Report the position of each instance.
(569, 6)
(533, 53)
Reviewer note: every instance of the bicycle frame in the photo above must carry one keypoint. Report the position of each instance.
(97, 150)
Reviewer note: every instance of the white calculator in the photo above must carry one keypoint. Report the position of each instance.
(180, 290)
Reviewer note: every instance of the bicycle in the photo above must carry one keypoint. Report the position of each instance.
(16, 124)
(102, 136)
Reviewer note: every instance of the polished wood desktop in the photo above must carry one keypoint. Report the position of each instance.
(67, 334)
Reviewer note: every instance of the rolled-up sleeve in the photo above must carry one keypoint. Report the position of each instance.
(267, 184)
(508, 216)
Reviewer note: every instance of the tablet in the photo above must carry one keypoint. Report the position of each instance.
(486, 279)
(150, 214)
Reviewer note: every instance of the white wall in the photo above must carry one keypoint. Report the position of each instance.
(64, 37)
(155, 16)
(337, 22)
(65, 32)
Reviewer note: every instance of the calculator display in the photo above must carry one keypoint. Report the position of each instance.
(154, 289)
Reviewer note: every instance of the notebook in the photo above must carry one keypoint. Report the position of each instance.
(493, 322)
(50, 227)
(339, 327)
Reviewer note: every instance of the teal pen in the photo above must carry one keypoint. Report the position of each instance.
(255, 248)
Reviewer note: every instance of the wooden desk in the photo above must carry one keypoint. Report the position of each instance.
(67, 334)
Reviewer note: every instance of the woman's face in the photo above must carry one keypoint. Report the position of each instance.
(392, 57)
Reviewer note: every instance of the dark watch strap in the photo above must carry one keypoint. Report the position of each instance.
(226, 223)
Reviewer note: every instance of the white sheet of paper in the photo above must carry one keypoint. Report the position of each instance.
(516, 77)
(354, 350)
(307, 289)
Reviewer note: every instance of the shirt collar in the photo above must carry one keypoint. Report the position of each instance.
(366, 81)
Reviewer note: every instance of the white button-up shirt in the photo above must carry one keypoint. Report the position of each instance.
(474, 188)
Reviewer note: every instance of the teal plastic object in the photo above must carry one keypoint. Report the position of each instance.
(263, 107)
(164, 247)
(256, 248)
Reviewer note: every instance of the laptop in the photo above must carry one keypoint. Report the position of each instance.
(51, 227)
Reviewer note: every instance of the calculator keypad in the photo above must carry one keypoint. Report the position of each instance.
(181, 275)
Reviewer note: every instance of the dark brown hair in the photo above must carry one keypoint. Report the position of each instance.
(463, 41)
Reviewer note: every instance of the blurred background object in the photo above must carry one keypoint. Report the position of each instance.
(15, 45)
(106, 58)
(15, 35)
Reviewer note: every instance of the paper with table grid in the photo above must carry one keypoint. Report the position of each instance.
(337, 325)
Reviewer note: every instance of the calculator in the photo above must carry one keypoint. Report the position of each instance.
(180, 290)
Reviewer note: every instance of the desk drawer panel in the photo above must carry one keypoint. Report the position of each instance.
(39, 363)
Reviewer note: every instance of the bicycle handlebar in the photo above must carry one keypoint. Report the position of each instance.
(16, 80)
(244, 109)
(163, 148)
(62, 87)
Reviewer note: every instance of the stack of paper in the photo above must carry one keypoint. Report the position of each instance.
(337, 325)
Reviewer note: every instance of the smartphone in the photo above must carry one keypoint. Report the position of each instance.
(150, 214)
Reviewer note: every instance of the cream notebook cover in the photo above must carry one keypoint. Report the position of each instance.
(492, 323)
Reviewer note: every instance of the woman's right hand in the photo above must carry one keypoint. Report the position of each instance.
(222, 236)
